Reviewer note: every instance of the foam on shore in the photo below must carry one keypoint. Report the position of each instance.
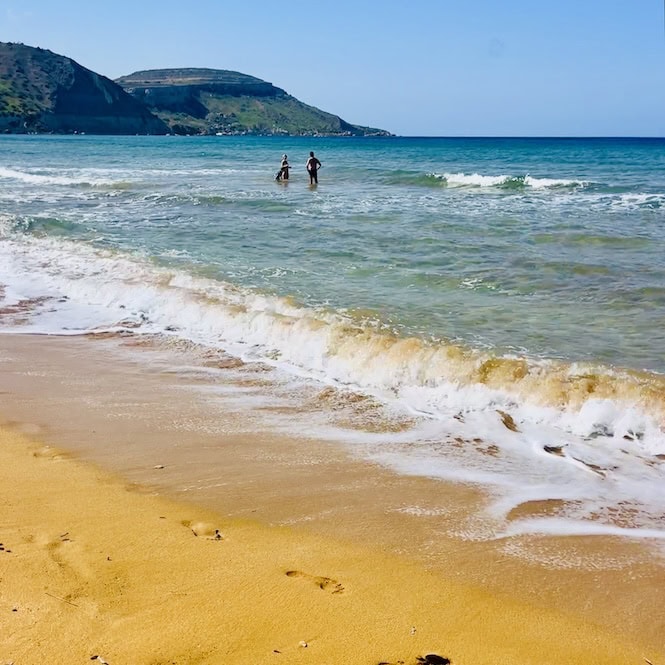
(587, 434)
(93, 569)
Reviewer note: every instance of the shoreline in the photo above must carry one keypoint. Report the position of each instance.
(131, 577)
(324, 503)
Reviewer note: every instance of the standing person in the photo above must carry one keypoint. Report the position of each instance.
(283, 173)
(313, 165)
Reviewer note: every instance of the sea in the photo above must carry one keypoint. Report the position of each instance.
(499, 302)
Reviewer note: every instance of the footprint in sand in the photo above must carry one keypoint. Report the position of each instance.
(46, 452)
(325, 583)
(203, 530)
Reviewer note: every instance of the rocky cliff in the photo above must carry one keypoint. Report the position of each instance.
(215, 101)
(41, 91)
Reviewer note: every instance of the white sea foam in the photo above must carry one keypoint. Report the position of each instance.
(541, 183)
(429, 379)
(478, 180)
(80, 178)
(566, 527)
(474, 180)
(600, 448)
(639, 200)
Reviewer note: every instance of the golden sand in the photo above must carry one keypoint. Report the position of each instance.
(92, 567)
(333, 568)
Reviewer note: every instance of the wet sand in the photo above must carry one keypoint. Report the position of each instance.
(375, 574)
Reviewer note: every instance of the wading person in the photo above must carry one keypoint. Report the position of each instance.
(283, 173)
(313, 165)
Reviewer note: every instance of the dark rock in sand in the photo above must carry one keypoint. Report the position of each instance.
(433, 659)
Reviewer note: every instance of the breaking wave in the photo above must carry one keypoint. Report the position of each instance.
(477, 180)
(505, 181)
(589, 437)
(436, 379)
(79, 180)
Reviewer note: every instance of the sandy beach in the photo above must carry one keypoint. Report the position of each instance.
(133, 542)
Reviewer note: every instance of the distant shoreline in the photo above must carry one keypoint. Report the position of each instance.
(365, 137)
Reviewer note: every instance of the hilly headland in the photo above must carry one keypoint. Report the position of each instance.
(43, 92)
(216, 101)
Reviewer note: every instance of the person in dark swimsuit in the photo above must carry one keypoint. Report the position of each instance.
(283, 173)
(313, 165)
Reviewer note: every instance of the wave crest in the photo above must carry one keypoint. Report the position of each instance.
(506, 181)
(478, 180)
(80, 180)
(438, 379)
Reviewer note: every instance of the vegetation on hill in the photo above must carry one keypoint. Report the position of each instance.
(41, 91)
(195, 76)
(23, 83)
(215, 101)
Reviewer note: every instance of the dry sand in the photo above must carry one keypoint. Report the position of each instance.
(90, 567)
(94, 562)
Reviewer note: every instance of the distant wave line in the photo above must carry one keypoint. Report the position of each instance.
(503, 181)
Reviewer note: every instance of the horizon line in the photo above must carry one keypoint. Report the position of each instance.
(517, 136)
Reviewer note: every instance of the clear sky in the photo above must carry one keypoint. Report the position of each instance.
(414, 67)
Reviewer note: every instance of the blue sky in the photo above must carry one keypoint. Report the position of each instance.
(418, 67)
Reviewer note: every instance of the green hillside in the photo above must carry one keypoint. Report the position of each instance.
(213, 101)
(41, 91)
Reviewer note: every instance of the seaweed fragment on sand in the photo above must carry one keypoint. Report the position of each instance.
(508, 421)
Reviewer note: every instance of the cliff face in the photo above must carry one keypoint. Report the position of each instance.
(221, 81)
(41, 91)
(216, 101)
(183, 90)
(44, 92)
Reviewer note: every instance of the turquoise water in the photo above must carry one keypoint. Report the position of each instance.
(547, 247)
(503, 290)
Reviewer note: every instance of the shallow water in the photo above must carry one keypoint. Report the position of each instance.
(506, 290)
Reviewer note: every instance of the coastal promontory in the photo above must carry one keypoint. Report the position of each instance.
(219, 101)
(41, 92)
